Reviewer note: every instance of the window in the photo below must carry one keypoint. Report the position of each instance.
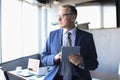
(99, 16)
(19, 29)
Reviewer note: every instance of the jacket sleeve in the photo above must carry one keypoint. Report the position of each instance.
(88, 51)
(52, 47)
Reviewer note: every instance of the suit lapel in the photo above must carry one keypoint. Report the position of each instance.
(60, 39)
(78, 37)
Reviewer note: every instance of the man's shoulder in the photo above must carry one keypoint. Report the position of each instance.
(56, 31)
(83, 32)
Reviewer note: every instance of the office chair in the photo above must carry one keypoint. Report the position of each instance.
(6, 75)
(3, 75)
(119, 69)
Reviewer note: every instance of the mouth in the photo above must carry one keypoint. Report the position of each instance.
(60, 23)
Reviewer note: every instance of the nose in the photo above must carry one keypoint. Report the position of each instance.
(59, 18)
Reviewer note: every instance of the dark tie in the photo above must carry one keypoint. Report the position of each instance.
(69, 39)
(67, 66)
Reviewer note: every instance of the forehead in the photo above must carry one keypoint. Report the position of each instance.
(63, 10)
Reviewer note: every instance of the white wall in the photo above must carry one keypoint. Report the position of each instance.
(108, 49)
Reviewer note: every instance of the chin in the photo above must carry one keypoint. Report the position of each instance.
(61, 26)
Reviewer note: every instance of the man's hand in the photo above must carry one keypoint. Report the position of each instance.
(76, 59)
(58, 56)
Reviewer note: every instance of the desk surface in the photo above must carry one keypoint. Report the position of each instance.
(34, 77)
(96, 75)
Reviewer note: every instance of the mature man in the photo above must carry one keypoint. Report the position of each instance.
(82, 62)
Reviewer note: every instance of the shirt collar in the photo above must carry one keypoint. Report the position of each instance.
(73, 30)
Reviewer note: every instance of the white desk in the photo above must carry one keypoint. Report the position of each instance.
(95, 76)
(33, 77)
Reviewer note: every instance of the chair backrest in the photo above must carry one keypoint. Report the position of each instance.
(6, 75)
(3, 75)
(119, 69)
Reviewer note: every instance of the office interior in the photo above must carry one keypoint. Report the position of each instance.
(103, 23)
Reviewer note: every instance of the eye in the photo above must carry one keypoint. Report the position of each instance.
(60, 15)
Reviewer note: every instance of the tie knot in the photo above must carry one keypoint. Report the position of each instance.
(69, 33)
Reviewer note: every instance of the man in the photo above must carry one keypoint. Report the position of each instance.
(84, 61)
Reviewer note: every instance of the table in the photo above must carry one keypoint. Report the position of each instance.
(95, 76)
(19, 77)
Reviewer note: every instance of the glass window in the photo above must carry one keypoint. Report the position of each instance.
(19, 29)
(99, 16)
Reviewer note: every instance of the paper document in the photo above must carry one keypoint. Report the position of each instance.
(33, 65)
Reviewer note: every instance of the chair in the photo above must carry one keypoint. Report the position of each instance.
(119, 69)
(3, 75)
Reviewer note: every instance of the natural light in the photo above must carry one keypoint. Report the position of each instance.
(19, 29)
(99, 16)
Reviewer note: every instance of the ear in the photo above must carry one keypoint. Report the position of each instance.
(73, 18)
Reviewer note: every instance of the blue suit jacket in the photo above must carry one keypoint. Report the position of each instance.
(87, 50)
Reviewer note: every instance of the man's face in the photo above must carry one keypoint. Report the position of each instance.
(65, 18)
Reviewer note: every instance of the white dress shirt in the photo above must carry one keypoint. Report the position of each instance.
(72, 36)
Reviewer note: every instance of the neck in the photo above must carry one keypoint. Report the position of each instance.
(69, 28)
